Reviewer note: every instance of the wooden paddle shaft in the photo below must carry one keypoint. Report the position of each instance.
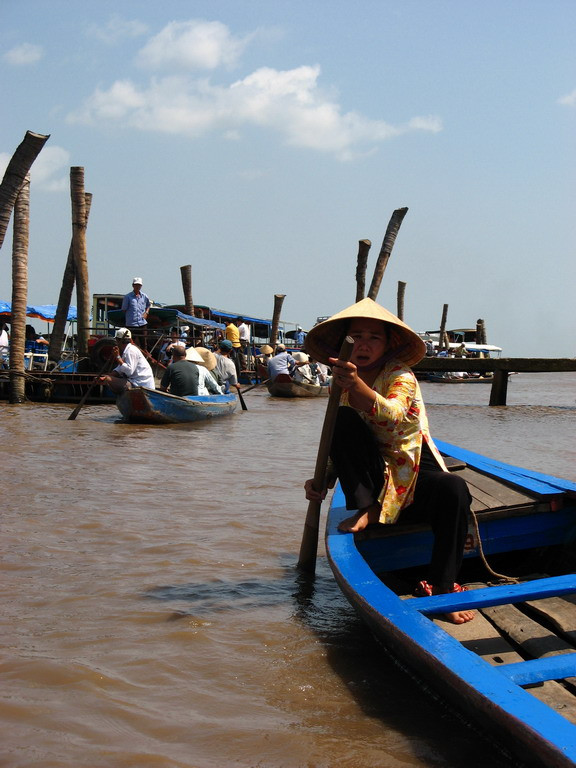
(309, 545)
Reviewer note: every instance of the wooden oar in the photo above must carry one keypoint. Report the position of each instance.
(78, 408)
(309, 545)
(242, 403)
(253, 386)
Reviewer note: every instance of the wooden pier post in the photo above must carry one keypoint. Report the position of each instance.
(278, 301)
(361, 262)
(442, 343)
(186, 274)
(400, 299)
(20, 242)
(385, 251)
(65, 297)
(499, 388)
(15, 176)
(78, 198)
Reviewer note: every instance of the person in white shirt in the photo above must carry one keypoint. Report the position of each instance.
(133, 370)
(205, 362)
(4, 344)
(244, 330)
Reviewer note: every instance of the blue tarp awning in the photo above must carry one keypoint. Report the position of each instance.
(41, 311)
(163, 317)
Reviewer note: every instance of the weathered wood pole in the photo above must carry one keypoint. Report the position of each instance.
(385, 251)
(442, 341)
(361, 262)
(186, 274)
(278, 301)
(79, 219)
(483, 339)
(65, 297)
(499, 388)
(400, 299)
(15, 176)
(20, 242)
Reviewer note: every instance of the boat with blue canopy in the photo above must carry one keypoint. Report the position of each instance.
(512, 670)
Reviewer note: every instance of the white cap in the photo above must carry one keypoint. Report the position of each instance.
(137, 281)
(123, 334)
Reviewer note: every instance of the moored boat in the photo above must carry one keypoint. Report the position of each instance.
(512, 670)
(152, 406)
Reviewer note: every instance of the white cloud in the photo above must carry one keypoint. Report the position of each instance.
(194, 44)
(288, 102)
(569, 100)
(116, 30)
(23, 55)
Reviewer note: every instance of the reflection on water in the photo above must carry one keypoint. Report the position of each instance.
(152, 614)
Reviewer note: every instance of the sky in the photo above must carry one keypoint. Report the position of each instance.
(259, 141)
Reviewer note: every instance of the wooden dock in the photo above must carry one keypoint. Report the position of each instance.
(500, 367)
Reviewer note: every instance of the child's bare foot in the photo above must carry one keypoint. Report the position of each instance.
(457, 617)
(361, 519)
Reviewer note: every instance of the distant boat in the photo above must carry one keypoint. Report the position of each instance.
(448, 378)
(459, 336)
(512, 669)
(285, 386)
(152, 406)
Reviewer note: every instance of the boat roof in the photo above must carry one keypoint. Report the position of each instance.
(41, 311)
(166, 316)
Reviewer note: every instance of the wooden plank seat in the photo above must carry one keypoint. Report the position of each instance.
(540, 670)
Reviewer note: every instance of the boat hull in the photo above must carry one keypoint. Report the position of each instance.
(487, 694)
(149, 406)
(294, 389)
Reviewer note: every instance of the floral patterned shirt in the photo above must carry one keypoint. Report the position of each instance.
(399, 421)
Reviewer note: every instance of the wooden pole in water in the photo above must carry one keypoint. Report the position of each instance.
(278, 301)
(400, 299)
(186, 274)
(442, 344)
(499, 388)
(79, 219)
(20, 242)
(361, 262)
(65, 297)
(387, 245)
(15, 176)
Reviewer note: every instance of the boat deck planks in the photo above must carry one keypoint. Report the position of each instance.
(481, 637)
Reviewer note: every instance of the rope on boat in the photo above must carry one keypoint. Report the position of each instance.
(502, 578)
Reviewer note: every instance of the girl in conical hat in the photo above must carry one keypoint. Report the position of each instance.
(382, 451)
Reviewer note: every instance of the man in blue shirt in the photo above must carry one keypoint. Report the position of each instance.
(136, 305)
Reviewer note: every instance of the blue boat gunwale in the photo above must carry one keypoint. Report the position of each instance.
(409, 633)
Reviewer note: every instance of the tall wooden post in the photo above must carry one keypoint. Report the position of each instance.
(15, 176)
(20, 242)
(400, 299)
(361, 262)
(65, 297)
(186, 274)
(499, 388)
(78, 197)
(385, 251)
(278, 301)
(442, 343)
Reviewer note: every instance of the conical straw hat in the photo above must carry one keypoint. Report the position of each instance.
(208, 360)
(193, 355)
(325, 339)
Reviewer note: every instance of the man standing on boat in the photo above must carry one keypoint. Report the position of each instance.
(133, 370)
(136, 305)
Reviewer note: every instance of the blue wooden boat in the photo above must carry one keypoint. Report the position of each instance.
(151, 406)
(512, 670)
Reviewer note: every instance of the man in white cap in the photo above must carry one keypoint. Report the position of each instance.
(133, 370)
(136, 305)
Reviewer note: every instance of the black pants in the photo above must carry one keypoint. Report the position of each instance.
(441, 499)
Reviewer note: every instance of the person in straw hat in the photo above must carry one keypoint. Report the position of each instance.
(206, 361)
(382, 451)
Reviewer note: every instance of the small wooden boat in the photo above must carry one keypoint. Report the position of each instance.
(512, 670)
(438, 378)
(151, 406)
(285, 386)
